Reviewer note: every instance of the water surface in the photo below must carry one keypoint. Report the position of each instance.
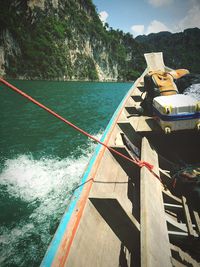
(42, 159)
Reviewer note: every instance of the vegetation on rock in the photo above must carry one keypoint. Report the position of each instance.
(181, 50)
(70, 42)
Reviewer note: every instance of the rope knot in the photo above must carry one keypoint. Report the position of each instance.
(146, 164)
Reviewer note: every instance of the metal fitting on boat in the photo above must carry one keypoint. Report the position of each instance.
(197, 108)
(198, 126)
(168, 130)
(167, 109)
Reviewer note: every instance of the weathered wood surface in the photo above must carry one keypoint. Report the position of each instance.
(182, 258)
(123, 221)
(145, 124)
(188, 217)
(155, 249)
(197, 221)
(107, 226)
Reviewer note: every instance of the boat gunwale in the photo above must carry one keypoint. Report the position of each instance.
(80, 195)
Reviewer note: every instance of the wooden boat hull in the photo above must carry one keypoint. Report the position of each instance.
(69, 221)
(120, 215)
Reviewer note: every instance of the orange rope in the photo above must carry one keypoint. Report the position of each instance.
(135, 161)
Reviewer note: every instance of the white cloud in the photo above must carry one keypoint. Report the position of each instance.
(156, 26)
(159, 3)
(103, 15)
(137, 29)
(191, 19)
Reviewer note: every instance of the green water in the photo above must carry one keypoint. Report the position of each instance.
(42, 159)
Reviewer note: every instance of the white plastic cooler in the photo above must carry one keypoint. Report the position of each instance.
(177, 112)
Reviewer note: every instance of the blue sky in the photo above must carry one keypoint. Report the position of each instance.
(147, 16)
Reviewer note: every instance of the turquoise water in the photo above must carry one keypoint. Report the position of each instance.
(42, 159)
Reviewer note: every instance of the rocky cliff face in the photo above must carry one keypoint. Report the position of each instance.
(9, 49)
(65, 39)
(61, 39)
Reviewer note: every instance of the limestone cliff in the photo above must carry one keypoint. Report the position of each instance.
(65, 39)
(62, 39)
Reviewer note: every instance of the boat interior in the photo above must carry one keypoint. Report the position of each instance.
(130, 217)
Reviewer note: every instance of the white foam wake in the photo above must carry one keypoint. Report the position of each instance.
(32, 179)
(47, 185)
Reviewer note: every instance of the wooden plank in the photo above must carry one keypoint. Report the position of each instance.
(112, 179)
(183, 257)
(130, 102)
(137, 98)
(168, 197)
(136, 91)
(177, 263)
(99, 241)
(178, 234)
(142, 124)
(141, 84)
(100, 202)
(133, 111)
(147, 124)
(172, 206)
(128, 130)
(176, 226)
(188, 218)
(155, 247)
(129, 167)
(141, 88)
(95, 243)
(197, 221)
(119, 140)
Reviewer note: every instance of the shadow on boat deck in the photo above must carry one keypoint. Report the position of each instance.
(123, 227)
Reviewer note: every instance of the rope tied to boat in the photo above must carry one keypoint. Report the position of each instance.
(138, 162)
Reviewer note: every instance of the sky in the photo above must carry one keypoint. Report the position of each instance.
(149, 16)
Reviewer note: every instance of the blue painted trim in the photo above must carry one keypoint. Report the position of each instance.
(183, 116)
(51, 252)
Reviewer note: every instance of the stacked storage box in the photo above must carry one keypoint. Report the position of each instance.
(177, 112)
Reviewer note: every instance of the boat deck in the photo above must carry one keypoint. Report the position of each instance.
(125, 215)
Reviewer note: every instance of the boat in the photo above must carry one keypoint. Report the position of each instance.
(124, 213)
